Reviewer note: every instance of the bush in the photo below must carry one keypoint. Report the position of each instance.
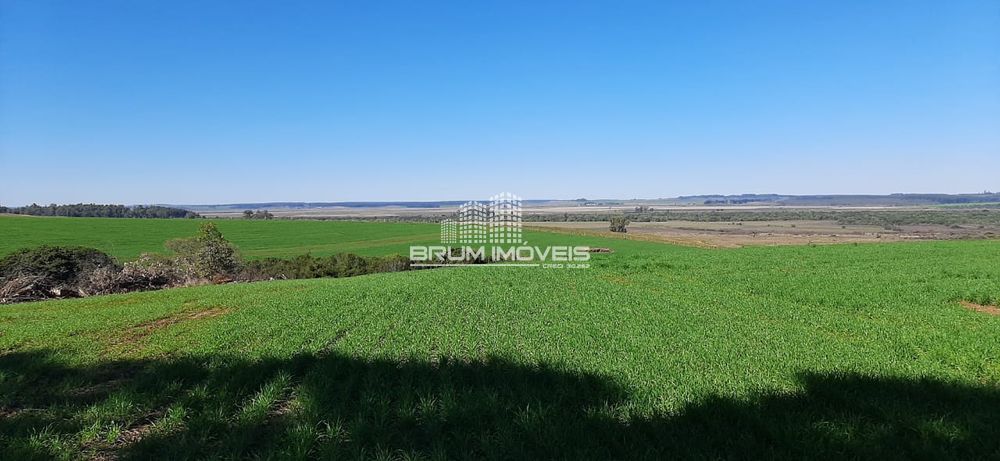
(59, 265)
(206, 255)
(618, 224)
(308, 266)
(51, 271)
(259, 214)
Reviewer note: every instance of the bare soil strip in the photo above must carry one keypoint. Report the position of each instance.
(991, 310)
(143, 330)
(130, 436)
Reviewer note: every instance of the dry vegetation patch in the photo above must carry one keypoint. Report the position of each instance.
(143, 330)
(736, 234)
(991, 310)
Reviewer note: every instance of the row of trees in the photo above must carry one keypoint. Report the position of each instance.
(731, 201)
(94, 210)
(259, 214)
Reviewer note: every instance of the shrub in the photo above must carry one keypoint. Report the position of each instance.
(205, 255)
(392, 264)
(259, 214)
(308, 266)
(59, 265)
(50, 271)
(618, 224)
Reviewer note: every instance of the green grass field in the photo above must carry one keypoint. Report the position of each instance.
(126, 239)
(656, 351)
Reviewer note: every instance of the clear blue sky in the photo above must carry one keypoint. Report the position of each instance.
(211, 101)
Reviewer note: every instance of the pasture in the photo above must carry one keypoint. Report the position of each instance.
(856, 351)
(126, 239)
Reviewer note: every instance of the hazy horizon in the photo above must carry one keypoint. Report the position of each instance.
(462, 199)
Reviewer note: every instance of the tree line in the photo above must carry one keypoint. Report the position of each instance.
(93, 210)
(979, 215)
(258, 214)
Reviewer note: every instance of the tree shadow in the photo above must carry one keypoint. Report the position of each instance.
(332, 406)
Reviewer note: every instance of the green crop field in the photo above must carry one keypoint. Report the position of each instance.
(127, 238)
(656, 351)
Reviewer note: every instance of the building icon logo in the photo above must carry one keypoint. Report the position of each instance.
(489, 234)
(497, 222)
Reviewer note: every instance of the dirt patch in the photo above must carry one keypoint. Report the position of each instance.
(6, 412)
(141, 331)
(128, 437)
(282, 407)
(991, 310)
(135, 433)
(146, 328)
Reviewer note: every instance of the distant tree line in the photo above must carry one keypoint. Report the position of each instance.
(93, 210)
(258, 214)
(856, 200)
(978, 215)
(731, 201)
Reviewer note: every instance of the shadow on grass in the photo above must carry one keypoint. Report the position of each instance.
(333, 406)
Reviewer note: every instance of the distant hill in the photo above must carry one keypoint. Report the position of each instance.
(320, 205)
(741, 199)
(843, 200)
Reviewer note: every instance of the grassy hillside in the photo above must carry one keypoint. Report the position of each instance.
(836, 351)
(127, 238)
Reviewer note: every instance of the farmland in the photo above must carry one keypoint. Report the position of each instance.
(127, 238)
(402, 231)
(734, 234)
(655, 351)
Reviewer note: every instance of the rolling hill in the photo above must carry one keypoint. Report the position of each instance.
(655, 351)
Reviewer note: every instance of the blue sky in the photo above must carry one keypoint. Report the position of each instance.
(212, 102)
